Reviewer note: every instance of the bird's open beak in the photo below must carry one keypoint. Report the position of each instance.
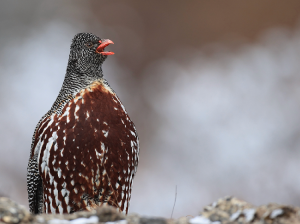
(103, 44)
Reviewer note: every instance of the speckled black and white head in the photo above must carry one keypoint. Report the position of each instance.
(87, 54)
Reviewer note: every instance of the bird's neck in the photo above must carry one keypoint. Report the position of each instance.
(75, 81)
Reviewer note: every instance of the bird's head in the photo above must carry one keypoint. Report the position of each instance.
(87, 52)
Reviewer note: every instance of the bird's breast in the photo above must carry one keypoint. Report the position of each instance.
(91, 143)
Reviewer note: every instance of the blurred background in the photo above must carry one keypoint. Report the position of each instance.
(212, 86)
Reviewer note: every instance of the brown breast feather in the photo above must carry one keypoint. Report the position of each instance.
(88, 153)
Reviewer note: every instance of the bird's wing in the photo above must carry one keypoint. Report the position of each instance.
(34, 180)
(34, 187)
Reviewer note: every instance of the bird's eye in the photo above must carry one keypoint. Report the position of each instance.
(89, 44)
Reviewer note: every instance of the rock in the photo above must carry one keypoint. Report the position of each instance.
(233, 210)
(224, 211)
(11, 212)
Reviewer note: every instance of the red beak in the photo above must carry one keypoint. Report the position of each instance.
(103, 44)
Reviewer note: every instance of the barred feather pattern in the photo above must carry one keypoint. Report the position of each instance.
(85, 149)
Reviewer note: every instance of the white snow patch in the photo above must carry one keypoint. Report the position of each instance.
(92, 219)
(275, 213)
(199, 220)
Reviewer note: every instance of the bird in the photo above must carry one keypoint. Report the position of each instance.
(85, 149)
